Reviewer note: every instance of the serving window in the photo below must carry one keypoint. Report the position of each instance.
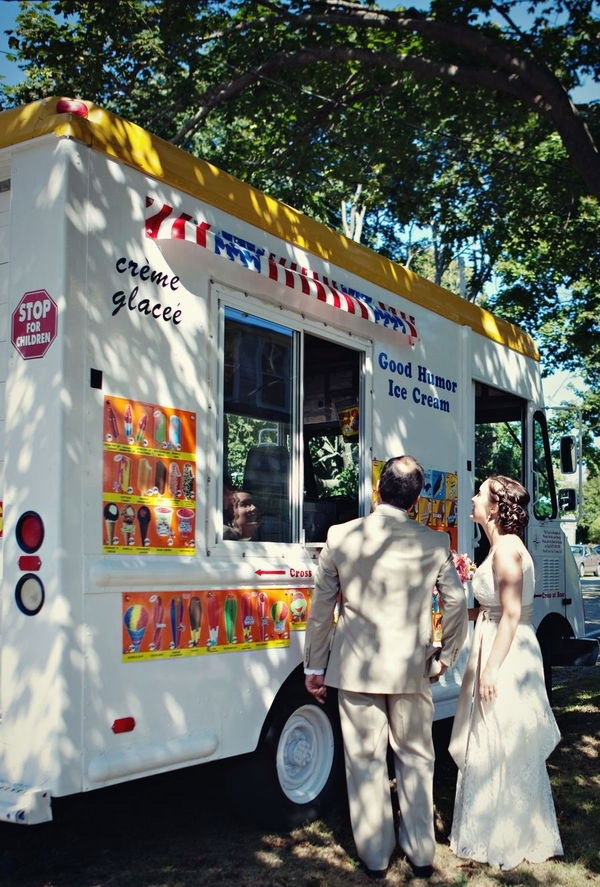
(291, 432)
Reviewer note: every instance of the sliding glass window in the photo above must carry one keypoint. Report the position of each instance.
(274, 490)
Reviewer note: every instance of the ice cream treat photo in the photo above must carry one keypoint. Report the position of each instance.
(136, 621)
(128, 525)
(111, 515)
(185, 519)
(144, 476)
(247, 617)
(188, 481)
(160, 428)
(174, 482)
(195, 614)
(160, 476)
(144, 518)
(111, 422)
(230, 618)
(128, 423)
(122, 474)
(141, 429)
(298, 607)
(163, 516)
(175, 432)
(279, 614)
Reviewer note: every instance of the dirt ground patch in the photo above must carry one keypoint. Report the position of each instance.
(176, 830)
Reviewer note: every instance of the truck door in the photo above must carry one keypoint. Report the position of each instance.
(499, 442)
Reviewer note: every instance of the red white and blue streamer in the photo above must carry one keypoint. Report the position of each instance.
(163, 223)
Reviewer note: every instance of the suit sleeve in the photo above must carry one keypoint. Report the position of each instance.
(319, 627)
(455, 620)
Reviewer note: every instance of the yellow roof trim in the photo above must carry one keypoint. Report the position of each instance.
(153, 156)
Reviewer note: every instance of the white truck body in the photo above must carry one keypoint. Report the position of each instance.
(125, 265)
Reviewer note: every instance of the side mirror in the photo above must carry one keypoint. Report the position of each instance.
(567, 500)
(568, 461)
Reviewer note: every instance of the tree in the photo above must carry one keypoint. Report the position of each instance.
(449, 47)
(455, 123)
(589, 529)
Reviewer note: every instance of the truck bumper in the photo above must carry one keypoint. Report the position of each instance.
(24, 805)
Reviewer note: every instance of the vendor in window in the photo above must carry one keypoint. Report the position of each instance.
(245, 521)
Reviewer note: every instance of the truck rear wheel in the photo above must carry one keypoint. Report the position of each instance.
(296, 773)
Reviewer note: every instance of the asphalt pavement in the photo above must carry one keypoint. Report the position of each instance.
(590, 587)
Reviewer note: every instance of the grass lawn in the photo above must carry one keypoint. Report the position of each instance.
(575, 775)
(176, 831)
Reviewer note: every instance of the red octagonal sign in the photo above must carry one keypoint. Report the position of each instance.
(34, 324)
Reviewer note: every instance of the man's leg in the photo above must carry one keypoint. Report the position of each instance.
(410, 718)
(365, 730)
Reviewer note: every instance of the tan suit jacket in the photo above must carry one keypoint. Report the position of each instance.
(384, 568)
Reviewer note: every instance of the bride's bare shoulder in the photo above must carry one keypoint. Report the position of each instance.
(509, 546)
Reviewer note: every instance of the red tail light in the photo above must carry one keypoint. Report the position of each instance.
(30, 531)
(123, 725)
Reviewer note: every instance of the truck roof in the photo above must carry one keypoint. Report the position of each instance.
(106, 132)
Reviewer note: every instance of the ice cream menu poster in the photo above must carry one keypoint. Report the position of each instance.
(148, 478)
(170, 625)
(438, 503)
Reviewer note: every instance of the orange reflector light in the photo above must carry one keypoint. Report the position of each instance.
(72, 106)
(30, 531)
(123, 725)
(29, 562)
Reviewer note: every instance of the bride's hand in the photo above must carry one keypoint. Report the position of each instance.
(487, 685)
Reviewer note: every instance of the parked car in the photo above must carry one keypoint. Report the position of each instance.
(587, 559)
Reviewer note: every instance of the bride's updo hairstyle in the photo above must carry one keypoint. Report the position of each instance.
(512, 499)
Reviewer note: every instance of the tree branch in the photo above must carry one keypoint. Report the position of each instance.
(505, 71)
(309, 56)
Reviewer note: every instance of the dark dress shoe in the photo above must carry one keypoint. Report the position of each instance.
(374, 874)
(421, 871)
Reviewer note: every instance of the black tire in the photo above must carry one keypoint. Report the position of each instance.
(548, 680)
(296, 773)
(551, 635)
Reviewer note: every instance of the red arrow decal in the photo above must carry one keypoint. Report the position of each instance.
(270, 572)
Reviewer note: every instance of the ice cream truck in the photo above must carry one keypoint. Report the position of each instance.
(196, 382)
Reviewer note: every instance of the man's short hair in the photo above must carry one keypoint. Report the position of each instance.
(401, 481)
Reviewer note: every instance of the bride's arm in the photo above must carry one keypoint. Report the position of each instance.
(508, 570)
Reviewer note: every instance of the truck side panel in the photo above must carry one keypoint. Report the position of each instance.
(191, 708)
(41, 676)
(4, 325)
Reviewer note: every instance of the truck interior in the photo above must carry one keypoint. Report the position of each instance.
(500, 440)
(281, 386)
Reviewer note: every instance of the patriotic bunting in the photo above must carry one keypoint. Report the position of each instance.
(162, 222)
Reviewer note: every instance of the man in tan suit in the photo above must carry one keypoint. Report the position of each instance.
(383, 568)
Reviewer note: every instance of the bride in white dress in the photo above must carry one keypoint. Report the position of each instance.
(504, 728)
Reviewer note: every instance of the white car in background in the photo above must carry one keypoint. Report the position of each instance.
(587, 559)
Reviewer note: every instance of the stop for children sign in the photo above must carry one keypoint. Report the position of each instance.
(34, 324)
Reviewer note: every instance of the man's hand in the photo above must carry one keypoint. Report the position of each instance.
(435, 678)
(314, 683)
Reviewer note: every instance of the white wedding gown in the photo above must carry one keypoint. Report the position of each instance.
(503, 812)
